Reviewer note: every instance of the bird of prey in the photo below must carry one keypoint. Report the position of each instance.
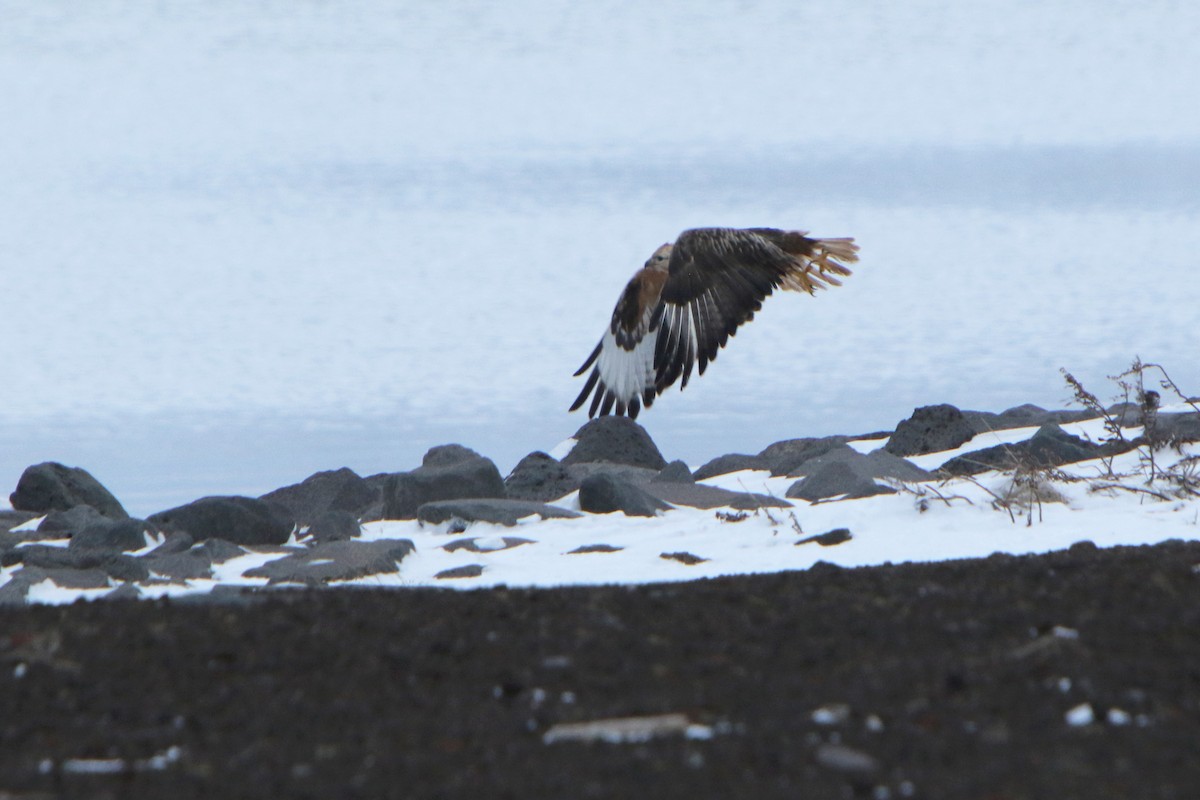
(689, 298)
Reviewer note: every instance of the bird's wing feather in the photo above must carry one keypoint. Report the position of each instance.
(717, 280)
(622, 377)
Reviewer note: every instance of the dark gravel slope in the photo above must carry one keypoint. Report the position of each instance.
(945, 680)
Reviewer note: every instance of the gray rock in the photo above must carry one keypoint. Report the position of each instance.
(220, 550)
(334, 490)
(683, 557)
(930, 429)
(128, 534)
(1023, 416)
(126, 591)
(594, 548)
(697, 495)
(617, 440)
(675, 472)
(783, 457)
(829, 538)
(188, 565)
(474, 478)
(15, 519)
(116, 565)
(471, 544)
(1179, 427)
(466, 571)
(1051, 446)
(71, 521)
(636, 475)
(603, 493)
(833, 480)
(15, 591)
(173, 542)
(335, 561)
(241, 520)
(447, 455)
(540, 477)
(50, 486)
(334, 526)
(730, 462)
(498, 511)
(876, 464)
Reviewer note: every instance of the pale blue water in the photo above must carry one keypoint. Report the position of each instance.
(243, 243)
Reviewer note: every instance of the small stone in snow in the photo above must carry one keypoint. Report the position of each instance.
(684, 558)
(468, 571)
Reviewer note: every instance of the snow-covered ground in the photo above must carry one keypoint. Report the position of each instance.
(935, 521)
(243, 242)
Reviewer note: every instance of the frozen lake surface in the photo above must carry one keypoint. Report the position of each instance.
(240, 245)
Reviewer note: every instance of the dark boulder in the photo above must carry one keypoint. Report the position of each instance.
(836, 479)
(241, 520)
(14, 519)
(1023, 416)
(498, 511)
(617, 440)
(71, 521)
(876, 464)
(333, 490)
(675, 472)
(697, 495)
(447, 455)
(604, 492)
(730, 462)
(50, 486)
(930, 429)
(334, 526)
(1051, 446)
(116, 565)
(783, 457)
(195, 563)
(127, 534)
(540, 477)
(473, 477)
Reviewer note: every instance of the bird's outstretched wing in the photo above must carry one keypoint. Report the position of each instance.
(687, 301)
(623, 374)
(718, 278)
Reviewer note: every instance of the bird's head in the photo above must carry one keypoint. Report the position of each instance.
(660, 258)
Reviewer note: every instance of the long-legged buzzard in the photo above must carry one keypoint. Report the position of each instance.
(689, 298)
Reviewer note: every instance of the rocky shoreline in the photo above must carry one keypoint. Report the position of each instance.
(1067, 675)
(85, 539)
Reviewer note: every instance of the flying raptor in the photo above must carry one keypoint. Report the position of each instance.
(689, 298)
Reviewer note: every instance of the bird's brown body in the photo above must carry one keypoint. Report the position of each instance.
(689, 298)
